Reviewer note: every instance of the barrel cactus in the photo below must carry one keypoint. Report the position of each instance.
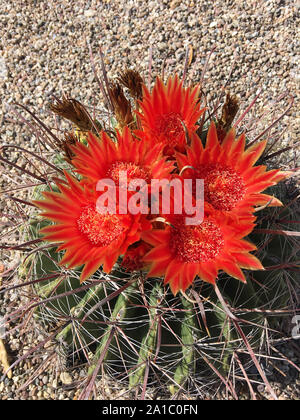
(146, 298)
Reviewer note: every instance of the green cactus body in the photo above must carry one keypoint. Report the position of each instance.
(149, 340)
(89, 299)
(121, 311)
(190, 333)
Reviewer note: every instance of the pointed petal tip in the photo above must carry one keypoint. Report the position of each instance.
(174, 289)
(285, 175)
(83, 279)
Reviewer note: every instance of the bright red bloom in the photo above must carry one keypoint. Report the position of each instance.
(231, 182)
(181, 252)
(167, 111)
(133, 259)
(104, 158)
(90, 238)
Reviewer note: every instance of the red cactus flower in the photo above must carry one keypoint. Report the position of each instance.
(232, 183)
(167, 112)
(133, 259)
(89, 238)
(104, 158)
(182, 252)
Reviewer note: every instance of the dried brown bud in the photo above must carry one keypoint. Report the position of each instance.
(229, 110)
(121, 105)
(73, 111)
(70, 140)
(132, 80)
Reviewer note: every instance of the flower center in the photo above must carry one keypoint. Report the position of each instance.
(169, 126)
(101, 229)
(133, 172)
(195, 244)
(223, 187)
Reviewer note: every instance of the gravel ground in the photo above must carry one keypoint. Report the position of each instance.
(43, 51)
